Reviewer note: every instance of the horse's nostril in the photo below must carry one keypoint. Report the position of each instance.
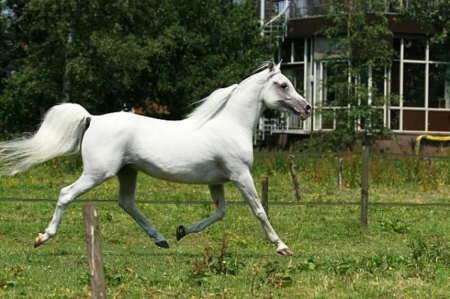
(308, 107)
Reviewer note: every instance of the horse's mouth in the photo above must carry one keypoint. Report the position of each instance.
(303, 114)
(303, 111)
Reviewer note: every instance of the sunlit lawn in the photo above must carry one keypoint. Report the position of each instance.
(403, 253)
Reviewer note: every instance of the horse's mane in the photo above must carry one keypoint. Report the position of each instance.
(216, 101)
(212, 104)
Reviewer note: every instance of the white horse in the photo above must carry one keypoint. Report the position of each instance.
(212, 146)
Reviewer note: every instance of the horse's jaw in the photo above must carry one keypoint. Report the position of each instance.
(299, 107)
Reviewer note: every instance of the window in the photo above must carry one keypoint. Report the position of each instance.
(437, 95)
(286, 51)
(298, 50)
(421, 82)
(412, 94)
(414, 49)
(414, 85)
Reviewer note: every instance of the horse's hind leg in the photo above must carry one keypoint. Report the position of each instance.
(218, 195)
(66, 196)
(127, 180)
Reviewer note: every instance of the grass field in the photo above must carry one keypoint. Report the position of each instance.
(403, 253)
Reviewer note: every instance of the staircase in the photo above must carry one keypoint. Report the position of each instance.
(277, 25)
(277, 30)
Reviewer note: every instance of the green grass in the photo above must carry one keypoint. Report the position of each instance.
(403, 253)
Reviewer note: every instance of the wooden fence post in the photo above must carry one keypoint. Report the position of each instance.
(92, 232)
(365, 181)
(265, 194)
(294, 177)
(340, 168)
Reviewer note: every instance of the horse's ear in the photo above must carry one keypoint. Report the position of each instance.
(271, 65)
(278, 66)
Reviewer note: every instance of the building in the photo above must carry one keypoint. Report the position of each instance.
(418, 76)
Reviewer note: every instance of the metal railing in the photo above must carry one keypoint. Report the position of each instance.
(315, 8)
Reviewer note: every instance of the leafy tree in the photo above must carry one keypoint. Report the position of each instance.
(434, 13)
(111, 54)
(359, 52)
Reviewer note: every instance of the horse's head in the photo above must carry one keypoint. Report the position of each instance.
(280, 94)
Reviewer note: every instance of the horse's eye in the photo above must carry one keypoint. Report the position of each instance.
(284, 85)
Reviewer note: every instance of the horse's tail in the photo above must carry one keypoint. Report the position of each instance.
(60, 133)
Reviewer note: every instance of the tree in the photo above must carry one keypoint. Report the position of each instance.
(107, 55)
(434, 13)
(359, 51)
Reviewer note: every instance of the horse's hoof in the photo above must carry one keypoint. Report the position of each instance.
(285, 252)
(38, 240)
(181, 232)
(162, 244)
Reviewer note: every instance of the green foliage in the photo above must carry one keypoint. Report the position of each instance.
(358, 46)
(434, 13)
(387, 171)
(275, 274)
(429, 250)
(10, 278)
(111, 55)
(396, 225)
(216, 262)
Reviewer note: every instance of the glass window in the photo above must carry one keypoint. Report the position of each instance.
(414, 85)
(395, 119)
(396, 45)
(395, 82)
(414, 49)
(296, 75)
(298, 78)
(336, 78)
(299, 50)
(439, 52)
(436, 86)
(285, 51)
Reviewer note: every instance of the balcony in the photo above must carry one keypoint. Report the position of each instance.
(299, 9)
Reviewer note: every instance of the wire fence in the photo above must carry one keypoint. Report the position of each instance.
(293, 162)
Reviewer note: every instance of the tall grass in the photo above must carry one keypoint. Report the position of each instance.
(385, 170)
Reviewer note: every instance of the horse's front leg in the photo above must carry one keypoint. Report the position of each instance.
(247, 187)
(218, 195)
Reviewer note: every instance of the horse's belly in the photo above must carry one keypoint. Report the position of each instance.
(206, 173)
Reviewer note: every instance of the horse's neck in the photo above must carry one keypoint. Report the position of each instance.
(243, 109)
